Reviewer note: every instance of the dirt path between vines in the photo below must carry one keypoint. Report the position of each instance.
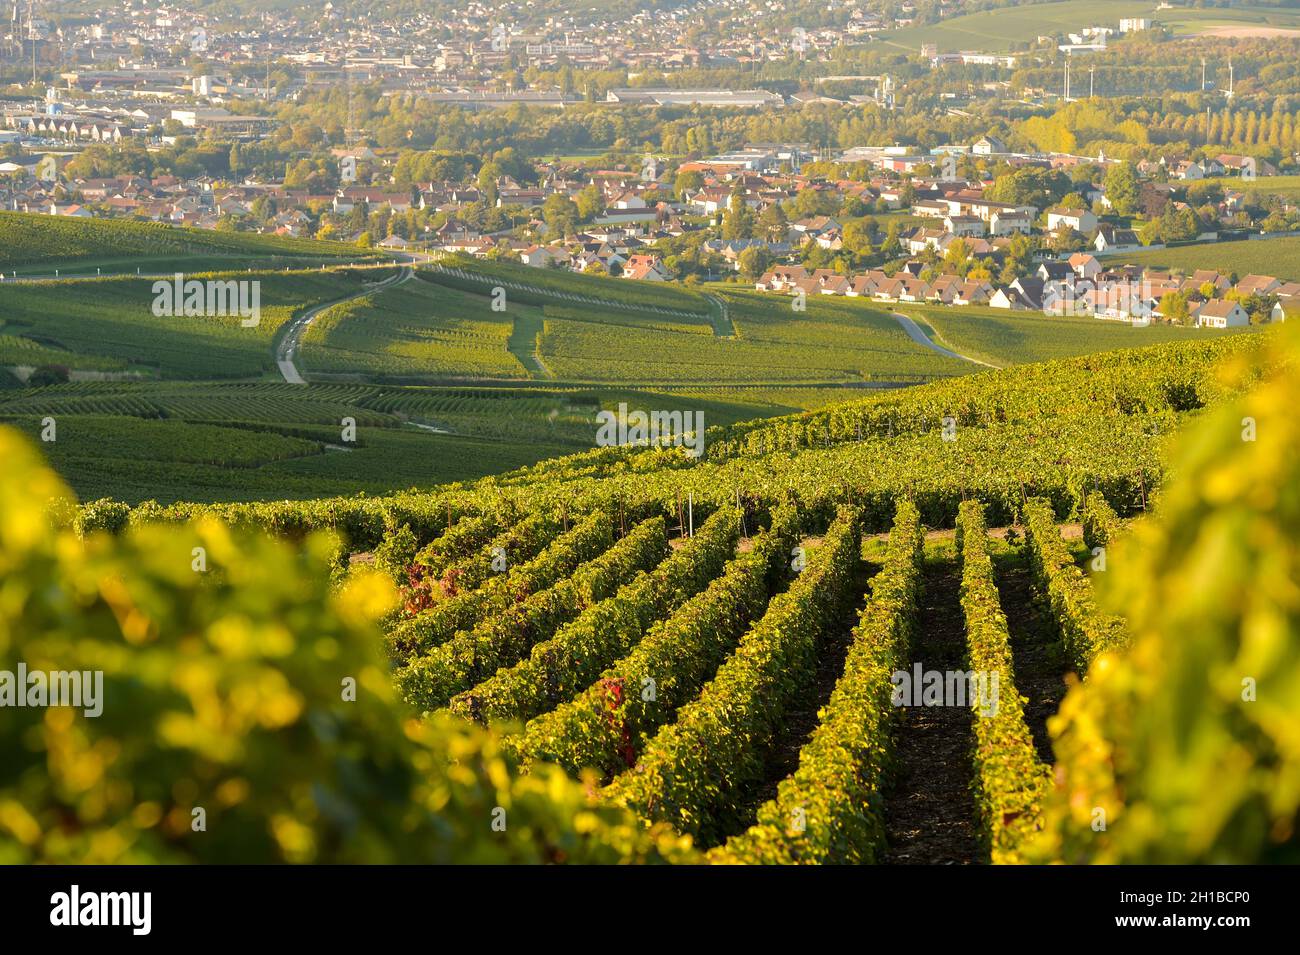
(1038, 662)
(929, 807)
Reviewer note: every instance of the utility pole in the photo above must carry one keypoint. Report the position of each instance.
(31, 32)
(350, 127)
(1067, 77)
(1202, 74)
(266, 88)
(1091, 70)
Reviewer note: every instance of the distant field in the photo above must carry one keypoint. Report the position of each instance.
(250, 441)
(108, 324)
(1278, 257)
(1236, 21)
(38, 244)
(831, 342)
(1005, 28)
(1014, 338)
(839, 332)
(1272, 185)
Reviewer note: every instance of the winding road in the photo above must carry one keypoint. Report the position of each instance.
(915, 333)
(286, 348)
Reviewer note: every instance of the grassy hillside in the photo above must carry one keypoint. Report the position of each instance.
(38, 244)
(1005, 338)
(1288, 186)
(1007, 28)
(761, 340)
(109, 325)
(249, 441)
(1278, 257)
(442, 387)
(415, 330)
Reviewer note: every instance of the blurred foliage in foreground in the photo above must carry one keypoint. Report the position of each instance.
(1187, 746)
(224, 690)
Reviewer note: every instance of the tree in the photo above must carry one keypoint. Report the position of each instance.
(1173, 306)
(590, 203)
(857, 238)
(1019, 258)
(1027, 187)
(560, 213)
(1149, 234)
(1151, 201)
(688, 181)
(738, 220)
(1179, 225)
(773, 224)
(487, 182)
(957, 257)
(48, 375)
(1121, 187)
(754, 261)
(1065, 239)
(891, 247)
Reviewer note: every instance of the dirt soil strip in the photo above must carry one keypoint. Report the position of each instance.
(1038, 660)
(929, 806)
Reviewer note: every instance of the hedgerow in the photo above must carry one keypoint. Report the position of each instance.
(1010, 781)
(430, 680)
(603, 727)
(689, 773)
(1085, 630)
(560, 667)
(830, 810)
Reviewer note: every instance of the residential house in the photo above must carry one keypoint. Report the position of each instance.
(1220, 313)
(1080, 220)
(1111, 239)
(1056, 270)
(964, 225)
(1007, 222)
(646, 268)
(1085, 266)
(1258, 285)
(988, 146)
